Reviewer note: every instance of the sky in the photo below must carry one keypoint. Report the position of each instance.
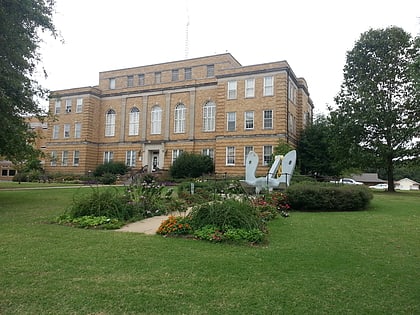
(312, 36)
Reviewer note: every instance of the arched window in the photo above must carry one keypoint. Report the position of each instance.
(110, 123)
(209, 116)
(156, 119)
(180, 111)
(133, 124)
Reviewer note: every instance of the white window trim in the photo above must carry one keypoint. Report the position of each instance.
(156, 118)
(209, 117)
(227, 155)
(265, 163)
(253, 120)
(266, 87)
(250, 88)
(133, 122)
(79, 105)
(110, 123)
(76, 156)
(272, 119)
(179, 118)
(232, 90)
(77, 130)
(231, 121)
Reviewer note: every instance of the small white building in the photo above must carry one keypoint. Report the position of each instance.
(406, 184)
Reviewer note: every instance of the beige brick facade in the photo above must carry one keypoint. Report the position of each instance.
(147, 115)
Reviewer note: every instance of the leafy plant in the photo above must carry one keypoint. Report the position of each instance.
(230, 212)
(111, 168)
(327, 197)
(191, 165)
(89, 221)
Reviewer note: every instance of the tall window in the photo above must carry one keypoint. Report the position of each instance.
(292, 91)
(108, 156)
(110, 123)
(209, 116)
(249, 120)
(156, 119)
(130, 81)
(268, 86)
(209, 152)
(232, 90)
(268, 152)
(210, 71)
(56, 131)
(158, 77)
(79, 105)
(76, 158)
(57, 107)
(175, 75)
(133, 122)
(231, 121)
(77, 130)
(268, 119)
(68, 106)
(247, 149)
(112, 83)
(141, 79)
(180, 111)
(249, 87)
(292, 124)
(65, 158)
(130, 158)
(188, 73)
(176, 154)
(53, 158)
(230, 155)
(66, 131)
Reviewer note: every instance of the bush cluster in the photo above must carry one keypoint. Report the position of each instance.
(327, 197)
(191, 165)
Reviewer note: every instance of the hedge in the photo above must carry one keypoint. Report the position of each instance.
(328, 197)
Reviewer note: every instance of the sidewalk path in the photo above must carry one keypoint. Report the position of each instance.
(146, 226)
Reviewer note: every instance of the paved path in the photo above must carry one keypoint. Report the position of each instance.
(149, 225)
(146, 226)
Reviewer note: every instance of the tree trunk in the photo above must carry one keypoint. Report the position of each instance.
(390, 174)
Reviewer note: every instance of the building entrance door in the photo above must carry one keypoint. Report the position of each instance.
(155, 161)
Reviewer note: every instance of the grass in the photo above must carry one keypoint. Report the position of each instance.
(316, 263)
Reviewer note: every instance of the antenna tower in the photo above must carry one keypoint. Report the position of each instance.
(186, 33)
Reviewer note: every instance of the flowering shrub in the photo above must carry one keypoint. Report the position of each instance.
(175, 225)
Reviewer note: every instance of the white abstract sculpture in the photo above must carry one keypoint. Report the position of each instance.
(287, 164)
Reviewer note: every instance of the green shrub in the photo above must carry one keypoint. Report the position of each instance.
(327, 197)
(215, 234)
(109, 202)
(116, 168)
(107, 179)
(89, 222)
(191, 165)
(227, 213)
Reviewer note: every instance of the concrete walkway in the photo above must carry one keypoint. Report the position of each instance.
(146, 226)
(149, 225)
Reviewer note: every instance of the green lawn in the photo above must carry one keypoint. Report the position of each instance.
(315, 263)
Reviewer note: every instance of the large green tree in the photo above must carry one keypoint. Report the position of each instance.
(21, 25)
(314, 149)
(378, 113)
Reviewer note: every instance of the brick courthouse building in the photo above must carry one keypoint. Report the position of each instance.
(149, 115)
